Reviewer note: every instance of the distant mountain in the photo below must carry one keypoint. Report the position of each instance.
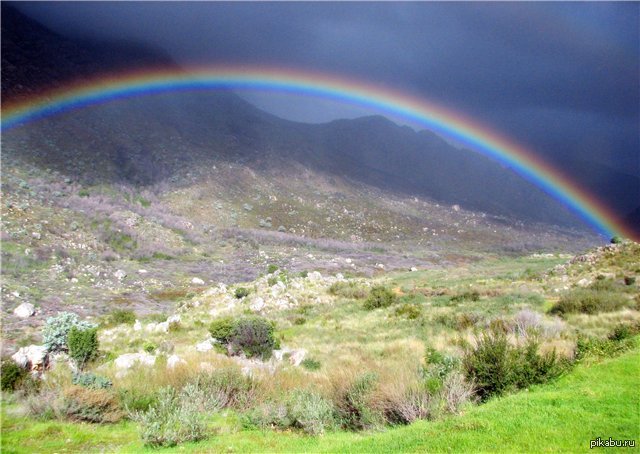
(162, 138)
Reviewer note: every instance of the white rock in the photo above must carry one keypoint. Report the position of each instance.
(297, 356)
(120, 274)
(162, 327)
(584, 282)
(36, 235)
(204, 346)
(137, 326)
(128, 360)
(33, 357)
(16, 293)
(257, 305)
(174, 320)
(414, 269)
(150, 328)
(380, 266)
(174, 360)
(348, 260)
(25, 310)
(340, 277)
(314, 276)
(197, 281)
(142, 271)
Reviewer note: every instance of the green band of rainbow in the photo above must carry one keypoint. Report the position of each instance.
(432, 116)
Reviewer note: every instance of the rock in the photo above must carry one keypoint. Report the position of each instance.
(137, 326)
(33, 357)
(128, 360)
(25, 310)
(120, 274)
(247, 207)
(314, 276)
(380, 266)
(456, 207)
(162, 327)
(174, 360)
(204, 346)
(150, 328)
(174, 321)
(142, 271)
(197, 281)
(278, 355)
(257, 305)
(36, 235)
(583, 282)
(297, 356)
(414, 269)
(166, 347)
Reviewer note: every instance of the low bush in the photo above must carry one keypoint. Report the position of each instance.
(137, 400)
(89, 380)
(11, 375)
(170, 421)
(410, 311)
(272, 268)
(222, 329)
(348, 289)
(122, 317)
(413, 403)
(353, 403)
(223, 388)
(241, 292)
(311, 364)
(619, 340)
(149, 347)
(495, 366)
(83, 345)
(471, 295)
(310, 411)
(379, 296)
(56, 330)
(593, 300)
(91, 405)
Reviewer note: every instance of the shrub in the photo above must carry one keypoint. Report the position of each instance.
(170, 421)
(624, 331)
(122, 317)
(455, 392)
(83, 345)
(91, 405)
(272, 268)
(353, 404)
(379, 296)
(254, 336)
(410, 311)
(466, 296)
(590, 300)
(495, 366)
(222, 388)
(89, 380)
(616, 240)
(12, 375)
(241, 292)
(629, 280)
(222, 329)
(311, 364)
(310, 412)
(304, 274)
(56, 330)
(149, 347)
(348, 289)
(136, 400)
(413, 403)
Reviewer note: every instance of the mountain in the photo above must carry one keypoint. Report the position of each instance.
(151, 139)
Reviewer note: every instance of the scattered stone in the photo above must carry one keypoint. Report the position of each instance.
(247, 207)
(128, 360)
(197, 281)
(36, 235)
(120, 274)
(25, 310)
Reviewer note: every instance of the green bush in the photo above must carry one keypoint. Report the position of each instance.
(241, 292)
(89, 380)
(495, 366)
(379, 296)
(616, 240)
(304, 273)
(91, 405)
(83, 345)
(472, 295)
(149, 347)
(12, 375)
(592, 300)
(56, 330)
(272, 268)
(170, 421)
(629, 280)
(222, 329)
(254, 336)
(122, 317)
(353, 406)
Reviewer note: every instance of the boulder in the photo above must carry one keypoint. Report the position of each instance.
(314, 276)
(197, 281)
(25, 310)
(204, 346)
(297, 356)
(33, 357)
(137, 326)
(120, 274)
(257, 305)
(162, 327)
(174, 360)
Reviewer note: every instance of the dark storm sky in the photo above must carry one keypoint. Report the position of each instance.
(562, 78)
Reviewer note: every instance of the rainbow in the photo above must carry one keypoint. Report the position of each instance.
(416, 110)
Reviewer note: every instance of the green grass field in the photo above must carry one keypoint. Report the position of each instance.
(594, 400)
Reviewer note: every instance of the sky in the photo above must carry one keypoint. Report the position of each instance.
(561, 78)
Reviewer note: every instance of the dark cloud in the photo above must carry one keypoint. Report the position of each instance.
(561, 77)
